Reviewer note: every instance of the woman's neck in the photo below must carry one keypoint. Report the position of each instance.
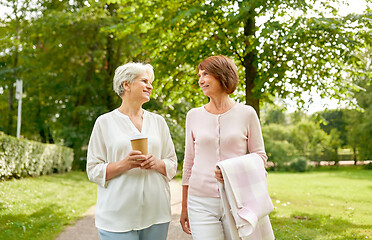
(219, 105)
(131, 110)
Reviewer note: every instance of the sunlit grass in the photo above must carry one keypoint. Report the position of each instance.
(41, 207)
(327, 204)
(331, 204)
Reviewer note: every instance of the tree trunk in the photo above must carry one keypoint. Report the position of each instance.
(84, 96)
(110, 62)
(11, 93)
(40, 121)
(355, 155)
(336, 156)
(249, 64)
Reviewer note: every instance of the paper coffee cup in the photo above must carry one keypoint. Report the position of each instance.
(139, 142)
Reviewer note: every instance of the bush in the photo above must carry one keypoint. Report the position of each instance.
(20, 158)
(278, 149)
(279, 153)
(299, 164)
(368, 166)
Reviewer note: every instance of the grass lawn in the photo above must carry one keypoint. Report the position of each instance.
(41, 207)
(327, 204)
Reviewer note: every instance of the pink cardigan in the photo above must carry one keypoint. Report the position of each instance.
(211, 138)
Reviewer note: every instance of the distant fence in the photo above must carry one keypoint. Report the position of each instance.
(344, 163)
(328, 163)
(20, 158)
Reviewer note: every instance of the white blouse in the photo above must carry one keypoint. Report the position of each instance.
(137, 198)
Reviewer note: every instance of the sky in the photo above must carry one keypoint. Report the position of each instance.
(355, 6)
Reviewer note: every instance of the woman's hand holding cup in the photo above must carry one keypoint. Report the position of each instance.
(134, 159)
(152, 163)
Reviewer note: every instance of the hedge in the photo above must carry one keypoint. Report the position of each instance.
(20, 158)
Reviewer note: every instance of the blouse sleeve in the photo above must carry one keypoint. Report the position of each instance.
(97, 157)
(255, 139)
(188, 161)
(168, 154)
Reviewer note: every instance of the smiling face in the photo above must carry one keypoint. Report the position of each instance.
(141, 88)
(221, 68)
(209, 84)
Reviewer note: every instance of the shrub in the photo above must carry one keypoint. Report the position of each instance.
(368, 166)
(299, 164)
(278, 149)
(20, 158)
(279, 153)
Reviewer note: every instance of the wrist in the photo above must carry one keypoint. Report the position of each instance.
(160, 167)
(123, 166)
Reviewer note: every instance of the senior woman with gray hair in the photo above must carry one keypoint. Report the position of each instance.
(133, 196)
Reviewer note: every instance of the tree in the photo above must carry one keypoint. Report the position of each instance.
(334, 119)
(278, 145)
(70, 50)
(334, 144)
(294, 47)
(310, 140)
(353, 118)
(273, 114)
(11, 59)
(86, 47)
(66, 52)
(362, 131)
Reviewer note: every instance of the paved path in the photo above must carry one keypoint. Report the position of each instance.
(84, 229)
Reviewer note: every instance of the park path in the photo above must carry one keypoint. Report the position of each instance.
(84, 229)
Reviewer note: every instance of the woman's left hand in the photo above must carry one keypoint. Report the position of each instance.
(152, 162)
(218, 175)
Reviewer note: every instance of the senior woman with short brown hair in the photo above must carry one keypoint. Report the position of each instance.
(215, 132)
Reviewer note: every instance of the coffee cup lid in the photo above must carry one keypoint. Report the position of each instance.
(138, 136)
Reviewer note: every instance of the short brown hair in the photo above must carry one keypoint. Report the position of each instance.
(223, 69)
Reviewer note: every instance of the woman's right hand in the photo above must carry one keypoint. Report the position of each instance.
(133, 160)
(184, 220)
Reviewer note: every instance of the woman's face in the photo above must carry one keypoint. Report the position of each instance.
(141, 87)
(209, 84)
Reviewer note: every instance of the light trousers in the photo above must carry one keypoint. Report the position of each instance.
(154, 232)
(206, 218)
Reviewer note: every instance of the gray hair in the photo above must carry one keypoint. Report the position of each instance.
(128, 72)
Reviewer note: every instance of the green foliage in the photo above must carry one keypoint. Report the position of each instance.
(273, 114)
(279, 148)
(286, 144)
(66, 53)
(69, 53)
(362, 127)
(21, 158)
(299, 164)
(39, 208)
(334, 120)
(368, 166)
(272, 50)
(310, 140)
(352, 127)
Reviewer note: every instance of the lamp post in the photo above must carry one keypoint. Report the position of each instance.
(18, 96)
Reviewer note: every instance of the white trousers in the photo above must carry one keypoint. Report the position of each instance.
(206, 218)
